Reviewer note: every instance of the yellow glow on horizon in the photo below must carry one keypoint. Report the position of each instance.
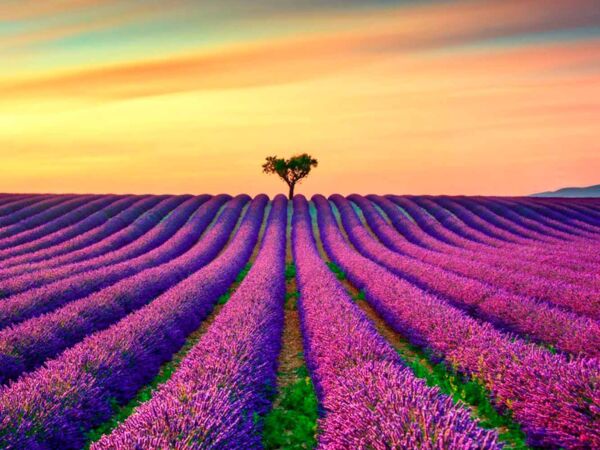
(509, 119)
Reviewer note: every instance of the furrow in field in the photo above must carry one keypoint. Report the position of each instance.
(169, 217)
(580, 299)
(75, 391)
(85, 245)
(49, 220)
(462, 391)
(81, 220)
(532, 320)
(27, 345)
(292, 421)
(225, 382)
(553, 398)
(33, 210)
(369, 398)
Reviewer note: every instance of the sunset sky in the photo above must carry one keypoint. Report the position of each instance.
(183, 96)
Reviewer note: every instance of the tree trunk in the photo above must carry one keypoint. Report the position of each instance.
(291, 193)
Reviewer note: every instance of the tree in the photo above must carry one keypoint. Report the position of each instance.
(290, 170)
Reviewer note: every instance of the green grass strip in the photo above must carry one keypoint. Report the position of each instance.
(291, 298)
(468, 391)
(240, 277)
(290, 272)
(453, 384)
(122, 412)
(292, 424)
(337, 270)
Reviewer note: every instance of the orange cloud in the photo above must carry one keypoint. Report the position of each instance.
(376, 36)
(29, 9)
(104, 15)
(412, 100)
(244, 66)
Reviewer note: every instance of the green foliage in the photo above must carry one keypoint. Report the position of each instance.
(360, 295)
(453, 384)
(339, 273)
(291, 300)
(290, 271)
(470, 392)
(122, 412)
(549, 347)
(290, 170)
(292, 424)
(240, 276)
(224, 298)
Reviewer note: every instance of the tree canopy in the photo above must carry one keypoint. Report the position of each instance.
(290, 170)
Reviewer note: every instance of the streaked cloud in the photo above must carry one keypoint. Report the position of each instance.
(394, 96)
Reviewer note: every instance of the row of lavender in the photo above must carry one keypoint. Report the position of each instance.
(370, 399)
(225, 381)
(222, 386)
(464, 238)
(45, 289)
(350, 418)
(78, 386)
(53, 406)
(26, 345)
(529, 317)
(491, 217)
(23, 346)
(473, 236)
(555, 398)
(495, 216)
(557, 278)
(40, 323)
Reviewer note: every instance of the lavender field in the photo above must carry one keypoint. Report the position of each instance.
(358, 322)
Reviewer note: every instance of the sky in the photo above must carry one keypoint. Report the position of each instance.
(488, 97)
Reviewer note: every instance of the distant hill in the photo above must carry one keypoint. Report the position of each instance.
(590, 191)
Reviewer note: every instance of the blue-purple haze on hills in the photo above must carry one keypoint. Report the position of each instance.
(589, 191)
